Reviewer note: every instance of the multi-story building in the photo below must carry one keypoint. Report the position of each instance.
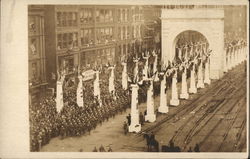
(91, 34)
(36, 54)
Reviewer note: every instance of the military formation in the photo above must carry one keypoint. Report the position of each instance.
(46, 121)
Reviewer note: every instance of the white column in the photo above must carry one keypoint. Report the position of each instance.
(225, 60)
(59, 95)
(236, 55)
(174, 98)
(245, 53)
(184, 93)
(200, 83)
(136, 67)
(230, 58)
(155, 68)
(79, 95)
(111, 81)
(240, 54)
(124, 76)
(193, 88)
(97, 86)
(145, 69)
(233, 57)
(151, 117)
(163, 97)
(134, 126)
(207, 74)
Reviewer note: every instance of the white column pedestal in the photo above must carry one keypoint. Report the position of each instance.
(174, 99)
(241, 52)
(145, 69)
(111, 81)
(79, 97)
(184, 94)
(151, 117)
(200, 83)
(225, 61)
(192, 88)
(97, 91)
(124, 77)
(59, 96)
(233, 58)
(163, 97)
(156, 77)
(207, 76)
(135, 126)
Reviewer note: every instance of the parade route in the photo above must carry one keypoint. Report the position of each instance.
(214, 117)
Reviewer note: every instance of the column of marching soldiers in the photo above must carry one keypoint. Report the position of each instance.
(192, 60)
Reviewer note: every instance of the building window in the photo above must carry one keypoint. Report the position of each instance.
(124, 32)
(33, 24)
(67, 64)
(128, 35)
(104, 35)
(126, 17)
(34, 71)
(104, 15)
(86, 16)
(97, 15)
(74, 18)
(121, 33)
(67, 40)
(87, 36)
(59, 19)
(105, 56)
(119, 15)
(70, 19)
(75, 39)
(33, 46)
(64, 19)
(133, 15)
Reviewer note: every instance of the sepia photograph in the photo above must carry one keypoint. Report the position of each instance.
(137, 78)
(143, 77)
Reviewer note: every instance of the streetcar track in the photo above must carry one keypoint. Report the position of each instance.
(239, 134)
(230, 127)
(209, 110)
(210, 120)
(217, 124)
(222, 83)
(186, 106)
(185, 124)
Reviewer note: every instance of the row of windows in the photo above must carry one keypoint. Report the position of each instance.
(103, 36)
(87, 36)
(104, 15)
(99, 57)
(86, 16)
(66, 19)
(35, 25)
(67, 40)
(67, 64)
(34, 74)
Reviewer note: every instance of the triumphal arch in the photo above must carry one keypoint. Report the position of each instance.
(207, 21)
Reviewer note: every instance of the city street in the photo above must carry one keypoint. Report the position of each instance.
(214, 118)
